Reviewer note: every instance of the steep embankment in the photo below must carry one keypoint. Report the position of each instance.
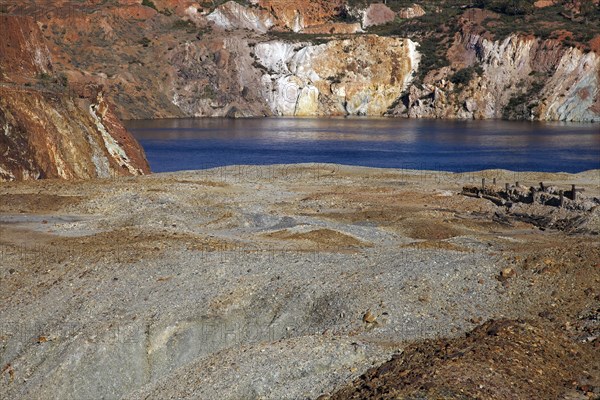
(263, 57)
(518, 77)
(358, 76)
(47, 131)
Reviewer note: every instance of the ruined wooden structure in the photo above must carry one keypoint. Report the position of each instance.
(565, 210)
(541, 194)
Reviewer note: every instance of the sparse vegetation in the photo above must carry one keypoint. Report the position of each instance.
(58, 82)
(434, 32)
(63, 80)
(548, 23)
(313, 38)
(433, 56)
(465, 75)
(149, 3)
(345, 16)
(521, 103)
(508, 7)
(188, 25)
(208, 92)
(395, 5)
(44, 77)
(442, 21)
(145, 41)
(202, 32)
(259, 66)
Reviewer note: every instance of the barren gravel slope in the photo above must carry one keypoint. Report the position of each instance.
(264, 282)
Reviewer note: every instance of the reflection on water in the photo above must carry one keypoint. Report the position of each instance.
(184, 144)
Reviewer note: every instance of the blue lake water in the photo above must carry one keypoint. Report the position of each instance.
(459, 146)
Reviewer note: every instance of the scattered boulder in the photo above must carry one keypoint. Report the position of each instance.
(507, 273)
(377, 14)
(413, 11)
(545, 207)
(232, 15)
(369, 317)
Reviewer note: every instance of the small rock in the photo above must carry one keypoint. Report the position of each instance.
(411, 12)
(369, 318)
(508, 273)
(470, 105)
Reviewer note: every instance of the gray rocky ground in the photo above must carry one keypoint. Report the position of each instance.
(267, 282)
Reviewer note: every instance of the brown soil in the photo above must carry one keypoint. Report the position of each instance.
(505, 359)
(322, 238)
(34, 202)
(554, 354)
(547, 347)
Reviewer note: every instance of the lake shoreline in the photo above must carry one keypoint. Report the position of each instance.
(190, 144)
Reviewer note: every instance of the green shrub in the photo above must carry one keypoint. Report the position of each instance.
(149, 3)
(208, 92)
(145, 41)
(44, 76)
(345, 16)
(465, 75)
(63, 80)
(184, 24)
(521, 103)
(433, 55)
(508, 7)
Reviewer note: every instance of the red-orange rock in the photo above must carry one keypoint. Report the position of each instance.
(302, 14)
(46, 131)
(544, 3)
(334, 28)
(23, 53)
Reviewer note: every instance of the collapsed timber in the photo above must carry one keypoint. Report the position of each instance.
(543, 206)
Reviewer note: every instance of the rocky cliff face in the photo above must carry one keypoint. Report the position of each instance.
(358, 76)
(519, 78)
(301, 14)
(217, 79)
(46, 130)
(24, 54)
(232, 15)
(265, 57)
(45, 135)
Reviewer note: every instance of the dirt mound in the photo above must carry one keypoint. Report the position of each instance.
(323, 238)
(503, 359)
